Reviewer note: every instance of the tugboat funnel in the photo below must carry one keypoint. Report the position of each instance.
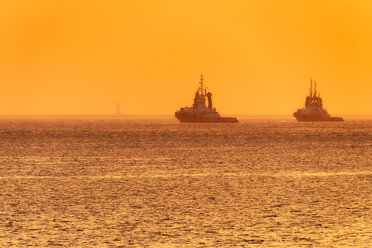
(210, 106)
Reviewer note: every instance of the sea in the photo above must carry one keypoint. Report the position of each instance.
(117, 182)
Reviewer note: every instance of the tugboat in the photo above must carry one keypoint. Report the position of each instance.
(314, 110)
(199, 112)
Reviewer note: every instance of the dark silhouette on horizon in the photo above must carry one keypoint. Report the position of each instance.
(314, 110)
(199, 112)
(117, 111)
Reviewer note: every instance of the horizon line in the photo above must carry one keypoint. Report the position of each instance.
(168, 116)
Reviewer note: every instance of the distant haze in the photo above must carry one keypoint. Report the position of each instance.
(81, 57)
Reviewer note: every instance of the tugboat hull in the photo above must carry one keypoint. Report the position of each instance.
(335, 119)
(310, 118)
(204, 118)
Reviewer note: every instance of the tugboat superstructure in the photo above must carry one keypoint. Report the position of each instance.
(314, 110)
(199, 112)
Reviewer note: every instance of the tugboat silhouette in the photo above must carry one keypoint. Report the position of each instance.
(199, 112)
(314, 110)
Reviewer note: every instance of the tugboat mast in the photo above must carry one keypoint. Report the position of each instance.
(311, 87)
(202, 85)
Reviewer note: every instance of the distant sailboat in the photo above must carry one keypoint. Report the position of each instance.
(118, 109)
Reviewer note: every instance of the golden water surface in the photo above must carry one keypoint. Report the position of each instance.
(159, 183)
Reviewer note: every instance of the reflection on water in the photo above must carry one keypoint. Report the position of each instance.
(120, 183)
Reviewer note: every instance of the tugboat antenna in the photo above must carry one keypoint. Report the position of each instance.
(311, 87)
(315, 89)
(201, 84)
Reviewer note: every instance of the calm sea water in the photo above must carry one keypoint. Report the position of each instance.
(159, 183)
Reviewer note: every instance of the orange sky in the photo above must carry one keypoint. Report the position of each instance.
(80, 57)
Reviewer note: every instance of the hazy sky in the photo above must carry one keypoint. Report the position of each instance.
(80, 57)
